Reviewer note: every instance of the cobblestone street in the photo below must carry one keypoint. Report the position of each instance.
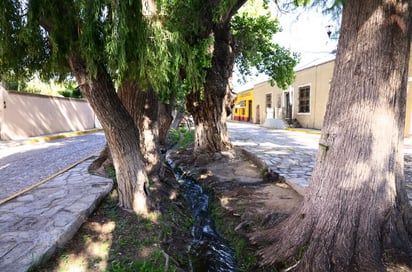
(25, 165)
(292, 154)
(34, 224)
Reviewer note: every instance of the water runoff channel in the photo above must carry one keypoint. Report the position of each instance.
(209, 250)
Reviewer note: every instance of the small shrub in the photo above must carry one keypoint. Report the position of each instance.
(182, 137)
(70, 91)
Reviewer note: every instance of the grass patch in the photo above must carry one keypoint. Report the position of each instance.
(226, 225)
(181, 137)
(113, 240)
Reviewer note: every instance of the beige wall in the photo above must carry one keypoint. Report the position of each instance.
(25, 115)
(261, 89)
(318, 78)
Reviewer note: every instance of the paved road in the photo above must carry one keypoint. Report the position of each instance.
(24, 165)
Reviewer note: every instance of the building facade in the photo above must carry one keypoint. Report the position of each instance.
(310, 92)
(306, 98)
(243, 110)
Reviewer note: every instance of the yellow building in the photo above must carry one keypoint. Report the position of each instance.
(305, 99)
(244, 106)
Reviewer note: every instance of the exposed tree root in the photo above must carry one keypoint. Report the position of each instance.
(301, 243)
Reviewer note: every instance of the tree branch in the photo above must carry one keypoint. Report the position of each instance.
(233, 10)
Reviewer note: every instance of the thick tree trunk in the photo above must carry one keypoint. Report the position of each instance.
(142, 105)
(356, 214)
(209, 114)
(121, 133)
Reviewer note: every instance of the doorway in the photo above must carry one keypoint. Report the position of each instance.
(249, 114)
(288, 108)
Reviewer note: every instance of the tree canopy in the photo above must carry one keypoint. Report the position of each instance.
(255, 48)
(37, 36)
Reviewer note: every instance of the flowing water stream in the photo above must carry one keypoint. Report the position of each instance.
(208, 250)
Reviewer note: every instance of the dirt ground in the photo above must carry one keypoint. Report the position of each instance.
(245, 198)
(241, 186)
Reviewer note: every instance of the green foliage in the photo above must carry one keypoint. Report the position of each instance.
(182, 137)
(157, 51)
(15, 85)
(71, 92)
(189, 24)
(174, 136)
(169, 52)
(11, 47)
(244, 255)
(222, 9)
(254, 48)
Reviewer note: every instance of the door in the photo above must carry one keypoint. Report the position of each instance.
(249, 114)
(288, 106)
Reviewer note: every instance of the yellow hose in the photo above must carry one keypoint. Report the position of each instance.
(43, 181)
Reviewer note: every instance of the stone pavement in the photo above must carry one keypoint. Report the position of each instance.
(22, 165)
(34, 224)
(292, 154)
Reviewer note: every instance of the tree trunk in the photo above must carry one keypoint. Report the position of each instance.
(356, 215)
(209, 114)
(121, 133)
(177, 119)
(142, 105)
(165, 121)
(98, 166)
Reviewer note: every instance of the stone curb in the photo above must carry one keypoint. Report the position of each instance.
(42, 139)
(45, 138)
(304, 130)
(261, 163)
(295, 186)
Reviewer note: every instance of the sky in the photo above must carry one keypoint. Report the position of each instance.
(304, 32)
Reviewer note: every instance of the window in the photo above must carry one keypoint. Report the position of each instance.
(268, 100)
(304, 99)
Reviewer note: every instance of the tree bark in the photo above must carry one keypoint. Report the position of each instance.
(98, 166)
(177, 119)
(209, 114)
(211, 108)
(121, 133)
(165, 121)
(142, 105)
(356, 215)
